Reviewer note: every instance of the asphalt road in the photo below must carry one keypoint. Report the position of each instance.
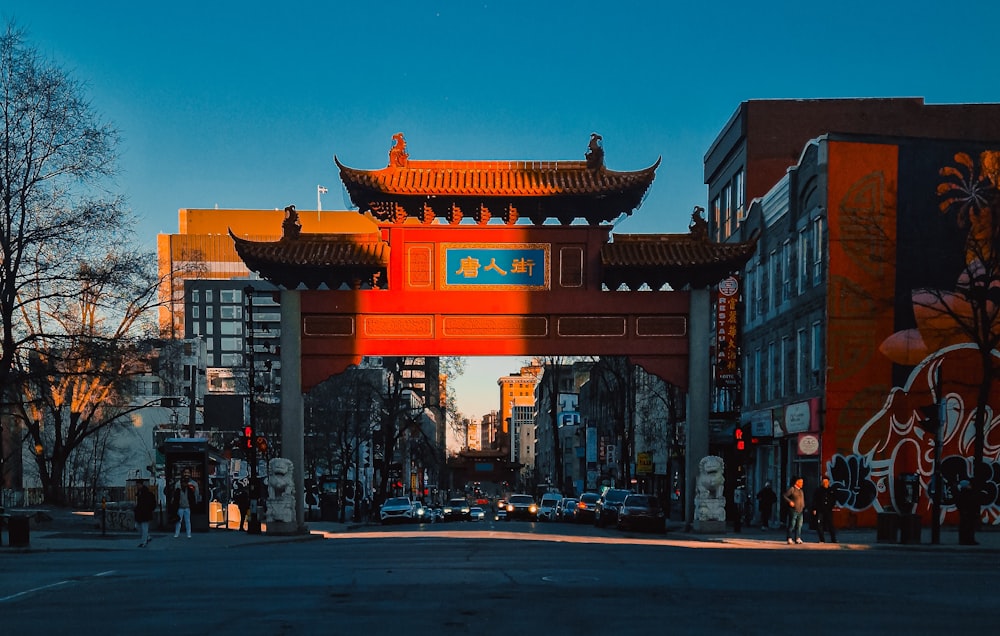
(512, 578)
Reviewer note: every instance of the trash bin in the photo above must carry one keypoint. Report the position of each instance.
(909, 528)
(887, 527)
(18, 531)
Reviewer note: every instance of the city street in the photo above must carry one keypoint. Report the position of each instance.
(493, 578)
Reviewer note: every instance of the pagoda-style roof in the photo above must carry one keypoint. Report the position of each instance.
(355, 260)
(537, 190)
(677, 260)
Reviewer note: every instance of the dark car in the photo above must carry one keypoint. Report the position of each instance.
(642, 512)
(522, 507)
(586, 506)
(606, 508)
(456, 510)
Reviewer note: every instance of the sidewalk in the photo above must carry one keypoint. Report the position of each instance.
(58, 530)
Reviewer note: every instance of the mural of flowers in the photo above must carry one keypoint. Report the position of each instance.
(948, 317)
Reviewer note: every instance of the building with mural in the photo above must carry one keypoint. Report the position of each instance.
(865, 312)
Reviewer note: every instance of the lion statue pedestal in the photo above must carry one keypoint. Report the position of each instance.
(709, 499)
(281, 497)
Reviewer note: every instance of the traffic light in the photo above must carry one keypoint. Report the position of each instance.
(739, 436)
(248, 437)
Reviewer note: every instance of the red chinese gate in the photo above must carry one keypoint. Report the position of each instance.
(414, 285)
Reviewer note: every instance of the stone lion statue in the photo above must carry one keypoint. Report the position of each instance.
(710, 477)
(280, 490)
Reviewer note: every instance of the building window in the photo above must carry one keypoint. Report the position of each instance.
(738, 197)
(231, 312)
(803, 256)
(717, 216)
(195, 296)
(209, 314)
(727, 212)
(231, 359)
(208, 295)
(195, 312)
(750, 297)
(786, 270)
(756, 376)
(771, 377)
(774, 279)
(231, 328)
(817, 352)
(817, 250)
(784, 366)
(801, 361)
(230, 296)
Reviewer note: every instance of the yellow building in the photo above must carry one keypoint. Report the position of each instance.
(202, 248)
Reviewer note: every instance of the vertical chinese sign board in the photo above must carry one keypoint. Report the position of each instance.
(726, 342)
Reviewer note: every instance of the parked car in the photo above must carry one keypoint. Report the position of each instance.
(585, 507)
(456, 509)
(547, 506)
(522, 507)
(396, 510)
(606, 508)
(642, 512)
(477, 514)
(566, 509)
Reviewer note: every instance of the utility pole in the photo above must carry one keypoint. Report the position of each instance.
(253, 522)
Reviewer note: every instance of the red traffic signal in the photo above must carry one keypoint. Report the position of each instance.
(248, 436)
(741, 444)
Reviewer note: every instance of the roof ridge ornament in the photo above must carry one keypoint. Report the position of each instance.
(397, 153)
(595, 152)
(698, 226)
(291, 228)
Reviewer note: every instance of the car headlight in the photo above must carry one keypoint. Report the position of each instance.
(533, 509)
(510, 507)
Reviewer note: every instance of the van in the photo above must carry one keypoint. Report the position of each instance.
(547, 506)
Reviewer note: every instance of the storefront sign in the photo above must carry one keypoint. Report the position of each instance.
(808, 444)
(726, 333)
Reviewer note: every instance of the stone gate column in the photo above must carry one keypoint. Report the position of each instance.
(292, 440)
(699, 393)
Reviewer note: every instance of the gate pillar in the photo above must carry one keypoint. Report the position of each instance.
(699, 394)
(292, 412)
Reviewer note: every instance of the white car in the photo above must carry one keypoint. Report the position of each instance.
(396, 509)
(547, 507)
(477, 514)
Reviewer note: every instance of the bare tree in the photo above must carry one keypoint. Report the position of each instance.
(77, 366)
(55, 155)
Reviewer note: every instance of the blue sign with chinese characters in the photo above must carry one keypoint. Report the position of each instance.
(515, 266)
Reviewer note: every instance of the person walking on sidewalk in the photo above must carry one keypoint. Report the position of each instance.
(823, 502)
(185, 496)
(766, 499)
(795, 502)
(145, 504)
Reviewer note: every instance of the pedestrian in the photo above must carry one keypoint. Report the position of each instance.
(796, 505)
(145, 504)
(242, 500)
(967, 503)
(739, 502)
(185, 497)
(766, 499)
(823, 501)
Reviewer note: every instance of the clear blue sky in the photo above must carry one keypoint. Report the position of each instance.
(244, 104)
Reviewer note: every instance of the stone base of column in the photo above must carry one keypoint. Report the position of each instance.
(283, 528)
(705, 527)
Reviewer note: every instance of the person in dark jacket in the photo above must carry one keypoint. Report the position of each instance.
(823, 503)
(968, 513)
(766, 499)
(145, 504)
